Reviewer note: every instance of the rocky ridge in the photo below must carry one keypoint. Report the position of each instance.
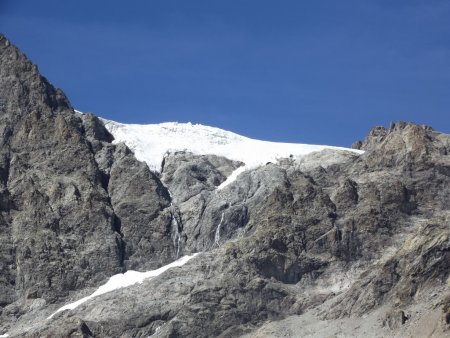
(321, 241)
(64, 222)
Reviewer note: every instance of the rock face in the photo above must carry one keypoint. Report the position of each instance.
(74, 207)
(316, 241)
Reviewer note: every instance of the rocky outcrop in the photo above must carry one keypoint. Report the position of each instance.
(327, 237)
(404, 143)
(188, 175)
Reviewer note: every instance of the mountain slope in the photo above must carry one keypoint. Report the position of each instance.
(319, 241)
(70, 216)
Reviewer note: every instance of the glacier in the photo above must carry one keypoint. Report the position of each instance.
(152, 142)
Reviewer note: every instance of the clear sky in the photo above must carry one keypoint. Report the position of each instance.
(322, 71)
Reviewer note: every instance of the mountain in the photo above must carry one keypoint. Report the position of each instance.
(180, 230)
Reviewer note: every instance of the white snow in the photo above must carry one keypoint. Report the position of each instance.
(123, 280)
(232, 177)
(4, 335)
(151, 143)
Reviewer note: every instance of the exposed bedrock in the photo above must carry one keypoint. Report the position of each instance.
(74, 208)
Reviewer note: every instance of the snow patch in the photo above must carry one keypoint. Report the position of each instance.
(232, 177)
(5, 335)
(123, 280)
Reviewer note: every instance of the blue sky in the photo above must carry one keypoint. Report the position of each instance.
(322, 71)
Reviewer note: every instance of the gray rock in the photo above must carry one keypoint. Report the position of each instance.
(357, 145)
(75, 208)
(188, 175)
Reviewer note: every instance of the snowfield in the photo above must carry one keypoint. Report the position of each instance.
(151, 142)
(123, 280)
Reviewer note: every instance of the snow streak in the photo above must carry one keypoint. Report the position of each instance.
(123, 280)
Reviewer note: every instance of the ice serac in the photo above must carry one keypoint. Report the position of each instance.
(74, 208)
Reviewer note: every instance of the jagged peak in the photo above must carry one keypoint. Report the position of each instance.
(401, 141)
(22, 85)
(3, 40)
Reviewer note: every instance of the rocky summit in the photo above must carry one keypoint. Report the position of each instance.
(96, 243)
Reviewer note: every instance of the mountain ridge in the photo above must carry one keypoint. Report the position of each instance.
(296, 247)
